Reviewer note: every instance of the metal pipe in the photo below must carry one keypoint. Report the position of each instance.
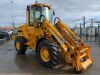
(12, 15)
(80, 30)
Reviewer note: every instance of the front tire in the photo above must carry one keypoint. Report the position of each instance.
(48, 53)
(20, 45)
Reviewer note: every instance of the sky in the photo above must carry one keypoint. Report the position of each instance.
(66, 10)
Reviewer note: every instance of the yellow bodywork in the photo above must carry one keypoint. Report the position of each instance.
(73, 50)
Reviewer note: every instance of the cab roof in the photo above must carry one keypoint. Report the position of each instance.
(41, 4)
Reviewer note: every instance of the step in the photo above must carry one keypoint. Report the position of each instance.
(83, 50)
(83, 55)
(86, 63)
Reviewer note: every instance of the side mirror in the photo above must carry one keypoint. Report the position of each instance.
(28, 8)
(53, 12)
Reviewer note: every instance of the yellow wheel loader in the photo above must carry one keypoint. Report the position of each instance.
(53, 41)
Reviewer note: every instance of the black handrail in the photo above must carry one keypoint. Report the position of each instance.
(56, 18)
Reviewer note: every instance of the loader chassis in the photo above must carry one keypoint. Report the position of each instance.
(52, 43)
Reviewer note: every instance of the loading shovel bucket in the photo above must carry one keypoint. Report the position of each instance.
(84, 60)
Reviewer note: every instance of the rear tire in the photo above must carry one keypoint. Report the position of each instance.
(20, 45)
(54, 53)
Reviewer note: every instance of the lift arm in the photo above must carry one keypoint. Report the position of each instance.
(76, 51)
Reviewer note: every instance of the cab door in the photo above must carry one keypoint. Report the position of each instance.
(38, 12)
(34, 29)
(34, 19)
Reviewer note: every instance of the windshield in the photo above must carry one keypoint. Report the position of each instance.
(47, 13)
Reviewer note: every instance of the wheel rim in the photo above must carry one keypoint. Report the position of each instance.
(45, 54)
(17, 45)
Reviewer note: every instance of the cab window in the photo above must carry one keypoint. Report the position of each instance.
(47, 13)
(32, 16)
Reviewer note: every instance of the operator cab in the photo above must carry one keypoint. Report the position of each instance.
(38, 9)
